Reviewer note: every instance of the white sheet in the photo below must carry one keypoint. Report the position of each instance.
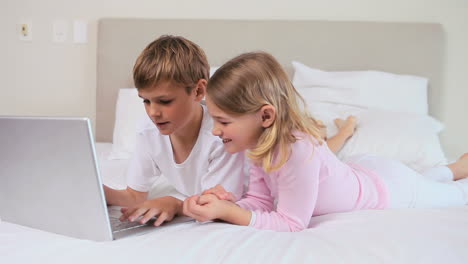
(389, 236)
(370, 236)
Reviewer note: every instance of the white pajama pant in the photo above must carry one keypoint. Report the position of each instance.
(407, 188)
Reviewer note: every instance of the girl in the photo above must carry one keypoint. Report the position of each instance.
(294, 175)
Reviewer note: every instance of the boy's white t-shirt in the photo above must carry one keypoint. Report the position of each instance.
(208, 163)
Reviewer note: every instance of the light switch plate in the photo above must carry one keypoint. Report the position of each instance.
(59, 30)
(80, 31)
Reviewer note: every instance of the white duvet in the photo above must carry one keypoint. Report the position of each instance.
(369, 236)
(387, 236)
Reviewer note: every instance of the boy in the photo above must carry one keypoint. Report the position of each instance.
(171, 76)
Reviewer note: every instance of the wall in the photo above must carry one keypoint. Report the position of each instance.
(45, 78)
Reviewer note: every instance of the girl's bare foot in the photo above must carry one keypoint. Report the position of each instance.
(347, 126)
(460, 167)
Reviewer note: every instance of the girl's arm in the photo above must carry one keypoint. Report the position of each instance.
(209, 207)
(258, 197)
(345, 131)
(337, 142)
(297, 186)
(297, 189)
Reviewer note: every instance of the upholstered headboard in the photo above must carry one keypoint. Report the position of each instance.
(405, 48)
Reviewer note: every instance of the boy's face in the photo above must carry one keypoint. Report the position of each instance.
(238, 132)
(169, 105)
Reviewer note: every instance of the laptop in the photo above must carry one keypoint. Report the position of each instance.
(50, 180)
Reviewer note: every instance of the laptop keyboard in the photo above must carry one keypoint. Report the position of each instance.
(117, 225)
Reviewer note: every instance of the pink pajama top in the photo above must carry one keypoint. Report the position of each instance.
(312, 182)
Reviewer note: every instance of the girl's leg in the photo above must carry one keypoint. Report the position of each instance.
(440, 174)
(434, 194)
(452, 172)
(410, 189)
(400, 186)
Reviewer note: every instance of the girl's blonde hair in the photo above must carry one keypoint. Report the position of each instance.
(248, 82)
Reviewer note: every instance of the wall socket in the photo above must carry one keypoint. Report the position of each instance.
(25, 30)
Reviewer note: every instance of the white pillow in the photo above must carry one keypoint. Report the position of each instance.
(128, 112)
(213, 70)
(408, 137)
(369, 89)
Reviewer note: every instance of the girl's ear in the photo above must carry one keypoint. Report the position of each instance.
(200, 90)
(268, 113)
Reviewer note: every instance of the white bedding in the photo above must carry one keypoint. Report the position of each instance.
(390, 236)
(370, 236)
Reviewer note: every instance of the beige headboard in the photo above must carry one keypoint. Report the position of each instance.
(406, 48)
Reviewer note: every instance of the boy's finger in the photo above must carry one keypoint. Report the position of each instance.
(126, 214)
(161, 218)
(137, 213)
(151, 212)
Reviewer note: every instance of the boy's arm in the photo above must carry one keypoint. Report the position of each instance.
(126, 197)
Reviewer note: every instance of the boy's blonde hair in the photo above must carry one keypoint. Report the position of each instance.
(251, 80)
(171, 58)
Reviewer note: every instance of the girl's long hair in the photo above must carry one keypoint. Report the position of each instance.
(251, 80)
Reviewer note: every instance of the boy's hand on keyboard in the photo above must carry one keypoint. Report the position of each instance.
(164, 208)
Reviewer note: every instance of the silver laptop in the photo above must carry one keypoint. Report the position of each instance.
(49, 180)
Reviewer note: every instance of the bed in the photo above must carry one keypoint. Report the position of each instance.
(405, 62)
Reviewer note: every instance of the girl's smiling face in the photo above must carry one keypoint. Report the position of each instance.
(238, 132)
